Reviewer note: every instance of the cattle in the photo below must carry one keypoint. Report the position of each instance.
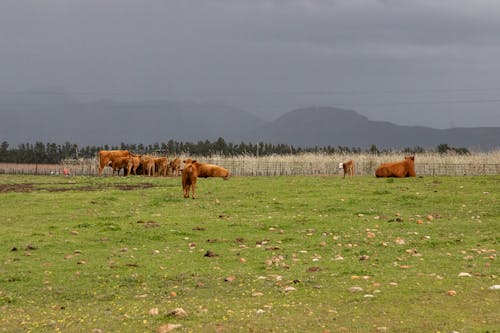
(348, 168)
(161, 166)
(189, 177)
(148, 165)
(206, 170)
(120, 163)
(133, 164)
(401, 169)
(175, 166)
(194, 169)
(107, 156)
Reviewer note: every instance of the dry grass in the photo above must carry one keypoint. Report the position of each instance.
(312, 164)
(426, 164)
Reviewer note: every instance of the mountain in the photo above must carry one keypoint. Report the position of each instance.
(110, 122)
(328, 126)
(59, 118)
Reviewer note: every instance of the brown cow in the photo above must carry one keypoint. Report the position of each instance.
(189, 177)
(161, 166)
(133, 163)
(175, 166)
(194, 169)
(348, 168)
(120, 163)
(107, 156)
(404, 168)
(209, 170)
(148, 165)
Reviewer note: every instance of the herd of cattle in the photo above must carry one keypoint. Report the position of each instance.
(137, 164)
(160, 166)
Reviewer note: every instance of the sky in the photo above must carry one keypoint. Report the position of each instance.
(429, 63)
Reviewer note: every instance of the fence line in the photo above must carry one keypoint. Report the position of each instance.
(266, 168)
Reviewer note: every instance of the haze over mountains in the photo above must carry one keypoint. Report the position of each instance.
(59, 118)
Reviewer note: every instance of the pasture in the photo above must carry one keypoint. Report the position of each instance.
(251, 254)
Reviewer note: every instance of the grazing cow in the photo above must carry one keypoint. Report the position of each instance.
(175, 166)
(348, 168)
(404, 168)
(161, 166)
(120, 163)
(194, 169)
(148, 165)
(107, 156)
(133, 164)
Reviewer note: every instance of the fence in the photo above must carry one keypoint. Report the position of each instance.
(265, 168)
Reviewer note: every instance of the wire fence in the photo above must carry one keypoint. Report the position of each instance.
(264, 168)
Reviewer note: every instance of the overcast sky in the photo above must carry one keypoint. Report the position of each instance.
(423, 62)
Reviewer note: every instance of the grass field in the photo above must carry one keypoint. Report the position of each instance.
(251, 254)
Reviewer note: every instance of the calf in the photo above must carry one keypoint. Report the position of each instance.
(161, 166)
(348, 168)
(189, 177)
(148, 165)
(175, 166)
(119, 163)
(133, 164)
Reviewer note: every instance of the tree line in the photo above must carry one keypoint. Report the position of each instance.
(52, 153)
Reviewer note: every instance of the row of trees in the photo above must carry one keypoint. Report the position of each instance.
(50, 153)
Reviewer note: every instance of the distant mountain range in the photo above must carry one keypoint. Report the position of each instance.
(61, 119)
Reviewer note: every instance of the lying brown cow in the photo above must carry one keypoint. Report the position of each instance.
(175, 166)
(107, 156)
(194, 169)
(348, 168)
(209, 170)
(404, 168)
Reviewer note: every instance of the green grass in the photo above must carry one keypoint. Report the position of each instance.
(87, 253)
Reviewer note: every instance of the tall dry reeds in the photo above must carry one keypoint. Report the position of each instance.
(426, 164)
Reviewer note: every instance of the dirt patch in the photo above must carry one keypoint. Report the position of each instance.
(5, 188)
(29, 187)
(126, 187)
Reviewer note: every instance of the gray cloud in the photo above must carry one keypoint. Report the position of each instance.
(424, 62)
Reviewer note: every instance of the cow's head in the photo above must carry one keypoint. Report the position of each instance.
(341, 165)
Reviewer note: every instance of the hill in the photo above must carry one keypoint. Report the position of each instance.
(327, 126)
(59, 118)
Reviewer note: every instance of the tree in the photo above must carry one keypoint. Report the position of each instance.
(374, 150)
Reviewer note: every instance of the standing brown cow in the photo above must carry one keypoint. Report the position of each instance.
(107, 156)
(175, 166)
(348, 168)
(148, 165)
(120, 163)
(189, 178)
(133, 163)
(161, 166)
(404, 168)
